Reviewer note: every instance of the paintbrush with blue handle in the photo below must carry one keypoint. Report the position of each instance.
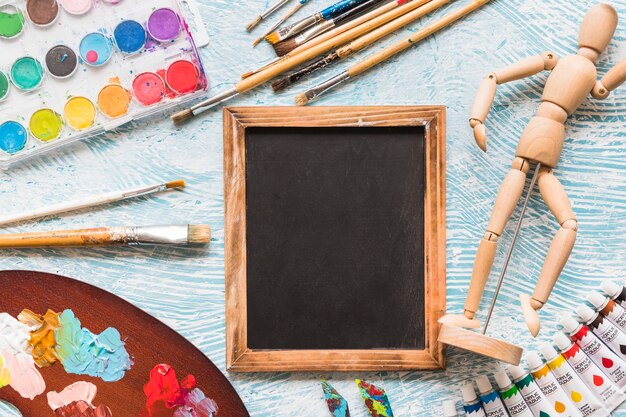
(328, 13)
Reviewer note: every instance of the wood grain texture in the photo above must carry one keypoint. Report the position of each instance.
(176, 283)
(240, 357)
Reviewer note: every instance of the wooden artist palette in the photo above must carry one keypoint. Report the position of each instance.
(148, 341)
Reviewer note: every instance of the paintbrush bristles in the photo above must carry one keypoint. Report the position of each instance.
(302, 99)
(284, 47)
(199, 234)
(254, 23)
(182, 116)
(175, 184)
(273, 38)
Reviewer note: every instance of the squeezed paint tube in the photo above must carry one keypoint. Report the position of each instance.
(550, 387)
(588, 404)
(604, 329)
(597, 382)
(611, 364)
(471, 403)
(616, 292)
(513, 400)
(491, 400)
(609, 309)
(449, 409)
(528, 388)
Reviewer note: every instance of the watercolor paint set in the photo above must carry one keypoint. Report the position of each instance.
(74, 69)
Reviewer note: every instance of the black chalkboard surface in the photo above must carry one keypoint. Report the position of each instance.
(335, 238)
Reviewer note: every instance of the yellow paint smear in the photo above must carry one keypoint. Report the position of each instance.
(42, 338)
(113, 99)
(5, 376)
(80, 113)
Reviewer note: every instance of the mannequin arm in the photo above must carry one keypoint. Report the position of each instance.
(487, 90)
(613, 79)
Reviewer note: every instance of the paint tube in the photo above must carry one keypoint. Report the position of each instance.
(611, 364)
(449, 409)
(550, 387)
(604, 329)
(597, 382)
(609, 309)
(579, 394)
(513, 400)
(491, 400)
(471, 403)
(616, 292)
(535, 399)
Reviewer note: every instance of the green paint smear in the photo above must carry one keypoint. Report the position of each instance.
(11, 24)
(4, 85)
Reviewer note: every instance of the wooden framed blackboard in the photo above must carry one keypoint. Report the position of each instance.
(334, 238)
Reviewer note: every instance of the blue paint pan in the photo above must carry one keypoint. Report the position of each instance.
(130, 36)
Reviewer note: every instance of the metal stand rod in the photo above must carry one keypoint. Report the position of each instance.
(511, 247)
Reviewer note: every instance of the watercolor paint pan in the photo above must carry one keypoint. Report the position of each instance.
(88, 67)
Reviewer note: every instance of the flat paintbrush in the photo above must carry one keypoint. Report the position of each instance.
(358, 44)
(289, 63)
(328, 13)
(103, 236)
(266, 14)
(282, 20)
(372, 61)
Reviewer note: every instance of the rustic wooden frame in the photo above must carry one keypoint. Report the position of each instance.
(239, 358)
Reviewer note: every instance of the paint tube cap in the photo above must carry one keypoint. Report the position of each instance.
(484, 385)
(569, 323)
(586, 313)
(502, 379)
(469, 393)
(610, 288)
(598, 300)
(449, 408)
(533, 360)
(561, 341)
(517, 372)
(548, 351)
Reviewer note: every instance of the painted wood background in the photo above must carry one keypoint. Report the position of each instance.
(185, 287)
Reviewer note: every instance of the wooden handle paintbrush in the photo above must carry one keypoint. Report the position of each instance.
(145, 235)
(373, 60)
(282, 20)
(358, 44)
(273, 8)
(288, 63)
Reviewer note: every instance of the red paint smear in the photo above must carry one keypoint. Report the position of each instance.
(92, 56)
(571, 352)
(598, 380)
(82, 409)
(581, 333)
(607, 363)
(182, 77)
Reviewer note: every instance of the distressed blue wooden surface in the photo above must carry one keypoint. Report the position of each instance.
(185, 287)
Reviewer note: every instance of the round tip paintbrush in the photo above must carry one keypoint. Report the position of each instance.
(266, 14)
(282, 20)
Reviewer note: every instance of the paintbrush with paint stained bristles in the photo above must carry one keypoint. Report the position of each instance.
(291, 12)
(266, 14)
(370, 62)
(358, 44)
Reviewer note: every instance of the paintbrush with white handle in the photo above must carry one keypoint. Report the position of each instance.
(266, 14)
(291, 12)
(92, 201)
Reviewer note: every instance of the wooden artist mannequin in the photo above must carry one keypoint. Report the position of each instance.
(571, 80)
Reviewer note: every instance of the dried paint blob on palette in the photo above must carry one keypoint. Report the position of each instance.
(149, 88)
(164, 25)
(27, 73)
(95, 49)
(11, 21)
(77, 7)
(46, 125)
(13, 137)
(130, 36)
(4, 86)
(114, 100)
(61, 61)
(182, 77)
(42, 12)
(80, 113)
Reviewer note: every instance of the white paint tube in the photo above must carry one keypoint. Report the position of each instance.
(579, 394)
(604, 329)
(611, 364)
(550, 387)
(535, 399)
(597, 382)
(616, 292)
(449, 409)
(513, 400)
(491, 400)
(609, 309)
(471, 403)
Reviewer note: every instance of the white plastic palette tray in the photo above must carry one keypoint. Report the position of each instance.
(97, 65)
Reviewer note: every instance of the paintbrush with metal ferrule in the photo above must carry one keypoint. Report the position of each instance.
(266, 14)
(192, 234)
(326, 14)
(332, 23)
(93, 201)
(358, 44)
(282, 20)
(373, 60)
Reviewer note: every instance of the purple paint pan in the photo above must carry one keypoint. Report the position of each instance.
(164, 25)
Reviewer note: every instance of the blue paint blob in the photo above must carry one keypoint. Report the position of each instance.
(130, 36)
(95, 49)
(13, 137)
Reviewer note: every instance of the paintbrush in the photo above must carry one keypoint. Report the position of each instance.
(370, 21)
(332, 23)
(124, 235)
(328, 13)
(288, 63)
(266, 14)
(373, 60)
(358, 44)
(282, 20)
(92, 201)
